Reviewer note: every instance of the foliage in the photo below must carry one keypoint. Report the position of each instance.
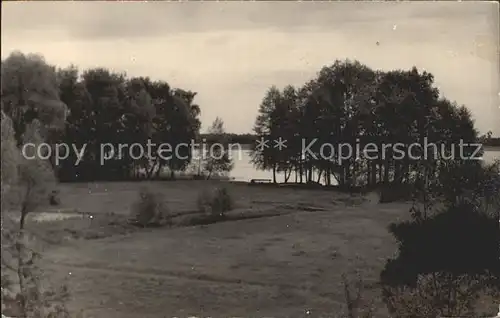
(250, 139)
(36, 176)
(448, 252)
(459, 241)
(96, 107)
(488, 140)
(215, 202)
(471, 182)
(349, 104)
(31, 111)
(437, 295)
(357, 306)
(218, 159)
(30, 91)
(424, 301)
(10, 157)
(449, 249)
(149, 210)
(22, 293)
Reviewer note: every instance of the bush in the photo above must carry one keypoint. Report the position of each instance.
(356, 304)
(150, 211)
(441, 295)
(472, 182)
(23, 294)
(458, 241)
(215, 202)
(24, 181)
(448, 253)
(54, 198)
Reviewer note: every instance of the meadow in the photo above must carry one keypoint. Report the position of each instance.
(282, 253)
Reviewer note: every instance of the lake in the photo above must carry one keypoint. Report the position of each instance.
(244, 170)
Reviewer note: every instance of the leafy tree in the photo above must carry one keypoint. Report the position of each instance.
(137, 122)
(265, 123)
(219, 159)
(106, 91)
(107, 107)
(287, 118)
(30, 91)
(10, 157)
(343, 90)
(79, 123)
(36, 176)
(27, 180)
(183, 129)
(176, 124)
(347, 103)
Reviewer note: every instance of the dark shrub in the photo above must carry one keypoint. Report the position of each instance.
(449, 253)
(457, 241)
(448, 260)
(54, 198)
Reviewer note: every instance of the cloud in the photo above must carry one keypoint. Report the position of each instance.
(95, 19)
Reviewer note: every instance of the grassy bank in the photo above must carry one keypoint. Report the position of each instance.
(280, 253)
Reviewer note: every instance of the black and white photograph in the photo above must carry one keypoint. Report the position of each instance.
(265, 159)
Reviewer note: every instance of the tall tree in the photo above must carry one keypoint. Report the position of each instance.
(30, 91)
(218, 159)
(265, 127)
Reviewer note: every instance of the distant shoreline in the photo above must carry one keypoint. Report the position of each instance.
(487, 148)
(491, 148)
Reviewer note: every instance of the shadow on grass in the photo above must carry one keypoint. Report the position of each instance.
(211, 219)
(100, 226)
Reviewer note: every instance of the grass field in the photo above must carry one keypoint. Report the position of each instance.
(286, 261)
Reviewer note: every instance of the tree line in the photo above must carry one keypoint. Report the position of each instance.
(251, 139)
(98, 106)
(348, 102)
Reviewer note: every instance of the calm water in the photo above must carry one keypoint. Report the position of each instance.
(244, 171)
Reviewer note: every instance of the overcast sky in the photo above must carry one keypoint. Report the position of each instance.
(231, 52)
